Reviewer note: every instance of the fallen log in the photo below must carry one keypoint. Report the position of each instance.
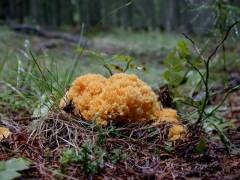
(40, 31)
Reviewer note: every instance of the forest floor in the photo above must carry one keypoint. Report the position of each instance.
(129, 152)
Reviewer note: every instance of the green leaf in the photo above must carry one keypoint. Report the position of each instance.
(220, 130)
(79, 50)
(193, 82)
(9, 168)
(122, 57)
(17, 164)
(168, 146)
(170, 57)
(172, 77)
(201, 146)
(116, 67)
(178, 67)
(183, 49)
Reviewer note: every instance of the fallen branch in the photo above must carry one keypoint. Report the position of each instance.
(39, 31)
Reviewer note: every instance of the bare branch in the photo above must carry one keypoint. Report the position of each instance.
(222, 41)
(194, 46)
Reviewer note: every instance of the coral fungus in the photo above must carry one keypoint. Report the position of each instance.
(120, 98)
(4, 133)
(83, 94)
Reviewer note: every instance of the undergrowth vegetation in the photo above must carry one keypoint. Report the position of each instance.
(32, 84)
(188, 74)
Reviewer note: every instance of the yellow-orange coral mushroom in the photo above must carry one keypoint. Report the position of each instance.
(83, 94)
(176, 132)
(121, 97)
(4, 133)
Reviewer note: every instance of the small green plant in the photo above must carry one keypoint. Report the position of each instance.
(9, 169)
(114, 63)
(168, 146)
(184, 69)
(68, 156)
(175, 64)
(117, 155)
(201, 146)
(34, 84)
(90, 156)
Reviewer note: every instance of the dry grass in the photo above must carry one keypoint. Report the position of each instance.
(134, 149)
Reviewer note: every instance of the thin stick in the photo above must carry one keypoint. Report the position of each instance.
(222, 41)
(194, 46)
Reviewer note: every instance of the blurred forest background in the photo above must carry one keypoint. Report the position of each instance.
(196, 16)
(145, 29)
